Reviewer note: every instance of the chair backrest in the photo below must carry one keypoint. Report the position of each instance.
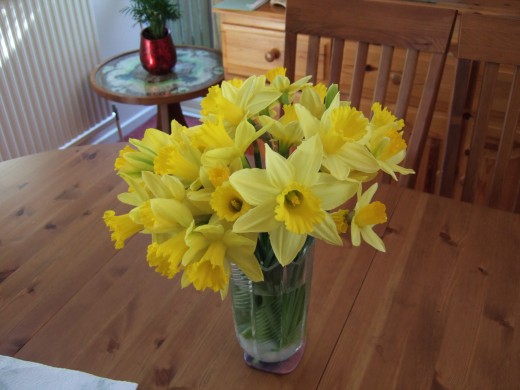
(413, 28)
(492, 173)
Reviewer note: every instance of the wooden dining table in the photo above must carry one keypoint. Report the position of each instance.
(438, 310)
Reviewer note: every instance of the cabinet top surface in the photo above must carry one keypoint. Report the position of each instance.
(497, 7)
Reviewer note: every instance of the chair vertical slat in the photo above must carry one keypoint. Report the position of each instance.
(358, 74)
(506, 140)
(290, 54)
(423, 118)
(405, 88)
(336, 60)
(479, 130)
(454, 134)
(313, 54)
(385, 63)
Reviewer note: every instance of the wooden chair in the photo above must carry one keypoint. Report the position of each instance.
(492, 173)
(413, 28)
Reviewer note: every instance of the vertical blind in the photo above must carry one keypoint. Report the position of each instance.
(46, 53)
(195, 25)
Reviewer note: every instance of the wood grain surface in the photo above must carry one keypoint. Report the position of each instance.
(438, 310)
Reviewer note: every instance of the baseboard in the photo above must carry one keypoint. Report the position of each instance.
(192, 107)
(110, 134)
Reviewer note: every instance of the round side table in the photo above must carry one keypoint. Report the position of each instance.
(123, 79)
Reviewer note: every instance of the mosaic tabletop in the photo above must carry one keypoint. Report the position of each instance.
(124, 79)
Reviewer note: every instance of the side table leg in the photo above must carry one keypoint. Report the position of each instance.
(163, 123)
(168, 112)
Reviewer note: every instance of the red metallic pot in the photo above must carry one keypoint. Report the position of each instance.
(157, 56)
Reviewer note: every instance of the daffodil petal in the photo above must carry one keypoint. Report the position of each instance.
(153, 139)
(279, 172)
(309, 123)
(327, 231)
(336, 166)
(172, 211)
(286, 244)
(211, 232)
(133, 184)
(312, 101)
(371, 238)
(355, 235)
(174, 186)
(193, 253)
(307, 160)
(253, 185)
(367, 195)
(333, 192)
(359, 157)
(258, 219)
(130, 198)
(245, 91)
(247, 263)
(385, 167)
(245, 134)
(154, 184)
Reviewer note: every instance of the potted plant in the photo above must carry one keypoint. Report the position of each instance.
(157, 51)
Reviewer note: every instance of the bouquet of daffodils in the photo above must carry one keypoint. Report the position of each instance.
(271, 163)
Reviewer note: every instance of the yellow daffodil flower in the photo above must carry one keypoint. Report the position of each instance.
(366, 215)
(214, 101)
(166, 256)
(340, 218)
(132, 161)
(228, 203)
(291, 197)
(137, 192)
(211, 249)
(121, 226)
(180, 158)
(279, 81)
(387, 143)
(219, 146)
(234, 104)
(211, 135)
(314, 99)
(286, 130)
(213, 175)
(162, 215)
(343, 131)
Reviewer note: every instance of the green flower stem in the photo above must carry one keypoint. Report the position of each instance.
(271, 314)
(245, 162)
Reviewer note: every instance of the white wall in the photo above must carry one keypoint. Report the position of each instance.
(116, 33)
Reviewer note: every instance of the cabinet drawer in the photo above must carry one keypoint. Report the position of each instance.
(254, 51)
(245, 50)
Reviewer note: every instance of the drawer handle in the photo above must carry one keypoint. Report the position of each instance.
(272, 55)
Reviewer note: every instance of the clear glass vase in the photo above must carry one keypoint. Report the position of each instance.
(271, 316)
